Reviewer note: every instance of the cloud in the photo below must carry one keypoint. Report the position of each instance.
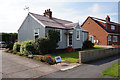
(12, 12)
(95, 9)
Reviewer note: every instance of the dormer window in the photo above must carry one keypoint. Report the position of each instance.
(112, 27)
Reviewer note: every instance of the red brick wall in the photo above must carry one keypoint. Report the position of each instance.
(111, 42)
(94, 29)
(112, 31)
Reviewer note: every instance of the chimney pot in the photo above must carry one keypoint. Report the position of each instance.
(49, 9)
(48, 13)
(108, 18)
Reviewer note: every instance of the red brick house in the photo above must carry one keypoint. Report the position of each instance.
(102, 32)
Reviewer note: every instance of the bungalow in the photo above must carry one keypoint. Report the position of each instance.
(102, 32)
(35, 26)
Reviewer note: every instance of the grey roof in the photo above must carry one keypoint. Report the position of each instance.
(54, 22)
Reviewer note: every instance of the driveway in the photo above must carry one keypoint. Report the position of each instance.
(88, 70)
(14, 66)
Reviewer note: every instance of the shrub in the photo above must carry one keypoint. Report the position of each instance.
(87, 45)
(27, 48)
(16, 46)
(41, 45)
(49, 44)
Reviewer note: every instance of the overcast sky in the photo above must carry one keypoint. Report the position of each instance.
(12, 12)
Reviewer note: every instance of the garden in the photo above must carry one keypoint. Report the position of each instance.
(43, 49)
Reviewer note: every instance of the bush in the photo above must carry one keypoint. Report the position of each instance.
(16, 46)
(41, 45)
(87, 45)
(49, 44)
(27, 48)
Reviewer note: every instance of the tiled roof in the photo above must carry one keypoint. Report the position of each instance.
(54, 22)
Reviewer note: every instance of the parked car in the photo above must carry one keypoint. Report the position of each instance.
(3, 44)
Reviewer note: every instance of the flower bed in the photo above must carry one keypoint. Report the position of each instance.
(46, 59)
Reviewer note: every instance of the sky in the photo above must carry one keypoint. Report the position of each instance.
(12, 12)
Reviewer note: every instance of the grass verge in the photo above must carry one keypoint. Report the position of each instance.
(113, 71)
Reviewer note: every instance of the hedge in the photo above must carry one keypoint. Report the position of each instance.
(27, 48)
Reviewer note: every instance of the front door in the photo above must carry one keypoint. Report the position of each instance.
(69, 40)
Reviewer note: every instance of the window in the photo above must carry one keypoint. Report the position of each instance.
(109, 38)
(91, 38)
(115, 38)
(60, 32)
(78, 34)
(36, 33)
(112, 27)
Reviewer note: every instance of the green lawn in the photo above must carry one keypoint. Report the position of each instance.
(73, 57)
(113, 71)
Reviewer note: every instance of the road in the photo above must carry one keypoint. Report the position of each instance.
(14, 66)
(88, 70)
(19, 67)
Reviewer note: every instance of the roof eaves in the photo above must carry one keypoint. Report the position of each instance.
(36, 19)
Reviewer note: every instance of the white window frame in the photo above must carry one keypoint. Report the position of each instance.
(116, 40)
(60, 35)
(78, 34)
(112, 27)
(109, 39)
(37, 32)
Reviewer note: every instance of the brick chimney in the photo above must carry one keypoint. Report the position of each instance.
(48, 13)
(108, 18)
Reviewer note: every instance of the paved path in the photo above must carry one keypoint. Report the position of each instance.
(89, 70)
(14, 66)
